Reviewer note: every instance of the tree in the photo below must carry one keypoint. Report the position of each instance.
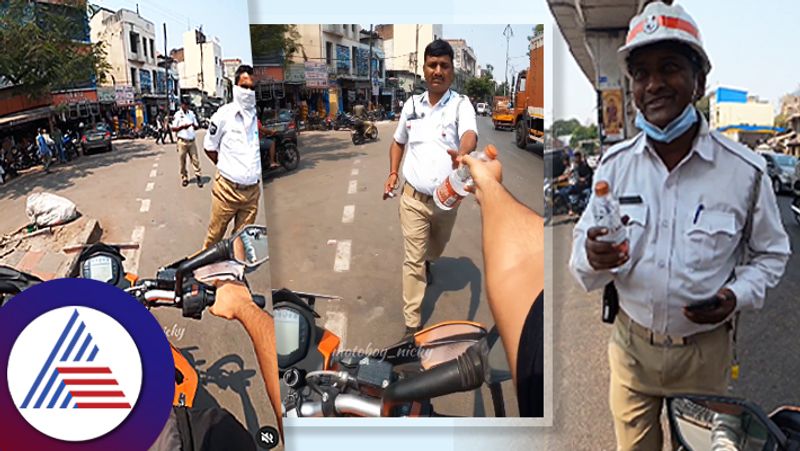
(781, 121)
(45, 49)
(276, 41)
(702, 106)
(479, 88)
(582, 133)
(501, 88)
(563, 127)
(489, 71)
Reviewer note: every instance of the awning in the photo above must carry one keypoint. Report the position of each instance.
(25, 116)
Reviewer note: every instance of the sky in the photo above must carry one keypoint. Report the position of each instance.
(224, 20)
(751, 46)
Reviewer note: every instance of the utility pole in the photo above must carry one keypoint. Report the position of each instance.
(416, 57)
(200, 38)
(508, 33)
(371, 74)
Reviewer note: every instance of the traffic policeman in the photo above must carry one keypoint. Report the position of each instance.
(434, 128)
(704, 230)
(232, 143)
(185, 124)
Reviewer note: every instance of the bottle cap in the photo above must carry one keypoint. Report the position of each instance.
(490, 151)
(601, 188)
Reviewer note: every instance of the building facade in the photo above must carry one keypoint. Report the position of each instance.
(741, 116)
(202, 67)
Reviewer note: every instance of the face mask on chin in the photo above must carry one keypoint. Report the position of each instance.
(246, 98)
(673, 130)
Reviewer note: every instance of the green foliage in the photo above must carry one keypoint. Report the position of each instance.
(781, 121)
(582, 133)
(499, 89)
(270, 40)
(42, 48)
(702, 106)
(479, 88)
(563, 127)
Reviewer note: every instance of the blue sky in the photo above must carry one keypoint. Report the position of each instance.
(226, 20)
(489, 45)
(751, 44)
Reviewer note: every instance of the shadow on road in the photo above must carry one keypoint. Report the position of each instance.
(452, 274)
(321, 146)
(227, 373)
(65, 176)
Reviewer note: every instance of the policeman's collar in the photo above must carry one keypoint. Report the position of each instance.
(700, 145)
(443, 101)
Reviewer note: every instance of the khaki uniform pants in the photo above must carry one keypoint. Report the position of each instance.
(643, 374)
(426, 231)
(231, 202)
(188, 147)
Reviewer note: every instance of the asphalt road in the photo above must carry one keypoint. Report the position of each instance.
(582, 418)
(332, 233)
(136, 195)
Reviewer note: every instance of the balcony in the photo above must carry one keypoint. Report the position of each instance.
(333, 29)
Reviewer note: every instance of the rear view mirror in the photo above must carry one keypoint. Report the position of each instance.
(708, 422)
(249, 246)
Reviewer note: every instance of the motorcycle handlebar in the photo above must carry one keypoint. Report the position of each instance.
(344, 404)
(466, 372)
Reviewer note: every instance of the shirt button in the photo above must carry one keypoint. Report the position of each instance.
(661, 264)
(665, 223)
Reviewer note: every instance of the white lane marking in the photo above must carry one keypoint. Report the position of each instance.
(354, 171)
(153, 173)
(336, 323)
(145, 206)
(357, 161)
(132, 255)
(353, 187)
(150, 186)
(348, 214)
(342, 262)
(155, 165)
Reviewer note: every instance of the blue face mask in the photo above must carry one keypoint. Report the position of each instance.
(673, 130)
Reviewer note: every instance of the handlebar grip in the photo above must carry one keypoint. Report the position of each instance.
(467, 372)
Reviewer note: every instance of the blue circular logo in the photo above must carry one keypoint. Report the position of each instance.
(87, 366)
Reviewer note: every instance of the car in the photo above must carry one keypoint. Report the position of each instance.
(482, 109)
(781, 170)
(97, 137)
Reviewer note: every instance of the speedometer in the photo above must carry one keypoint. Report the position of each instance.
(291, 336)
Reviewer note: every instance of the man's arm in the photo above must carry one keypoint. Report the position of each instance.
(396, 150)
(233, 301)
(213, 138)
(769, 250)
(513, 254)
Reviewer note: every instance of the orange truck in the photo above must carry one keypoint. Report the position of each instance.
(502, 114)
(528, 106)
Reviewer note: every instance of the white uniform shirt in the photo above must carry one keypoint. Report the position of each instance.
(235, 137)
(429, 135)
(186, 118)
(686, 235)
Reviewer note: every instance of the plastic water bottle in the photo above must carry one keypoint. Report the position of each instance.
(606, 214)
(450, 192)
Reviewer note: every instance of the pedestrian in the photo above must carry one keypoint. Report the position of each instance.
(167, 130)
(694, 234)
(44, 151)
(160, 128)
(58, 139)
(232, 143)
(435, 127)
(185, 124)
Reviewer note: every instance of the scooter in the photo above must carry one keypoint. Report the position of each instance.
(700, 423)
(363, 130)
(320, 380)
(286, 150)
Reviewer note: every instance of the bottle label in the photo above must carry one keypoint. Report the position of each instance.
(446, 195)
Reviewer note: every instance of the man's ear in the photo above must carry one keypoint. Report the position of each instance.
(699, 86)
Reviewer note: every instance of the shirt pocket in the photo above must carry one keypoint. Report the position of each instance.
(710, 238)
(418, 130)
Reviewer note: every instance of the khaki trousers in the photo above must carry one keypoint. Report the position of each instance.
(426, 231)
(184, 148)
(643, 374)
(229, 201)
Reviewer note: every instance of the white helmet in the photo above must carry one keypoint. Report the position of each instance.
(661, 22)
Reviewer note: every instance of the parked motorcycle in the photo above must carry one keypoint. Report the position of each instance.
(363, 130)
(318, 379)
(702, 423)
(343, 121)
